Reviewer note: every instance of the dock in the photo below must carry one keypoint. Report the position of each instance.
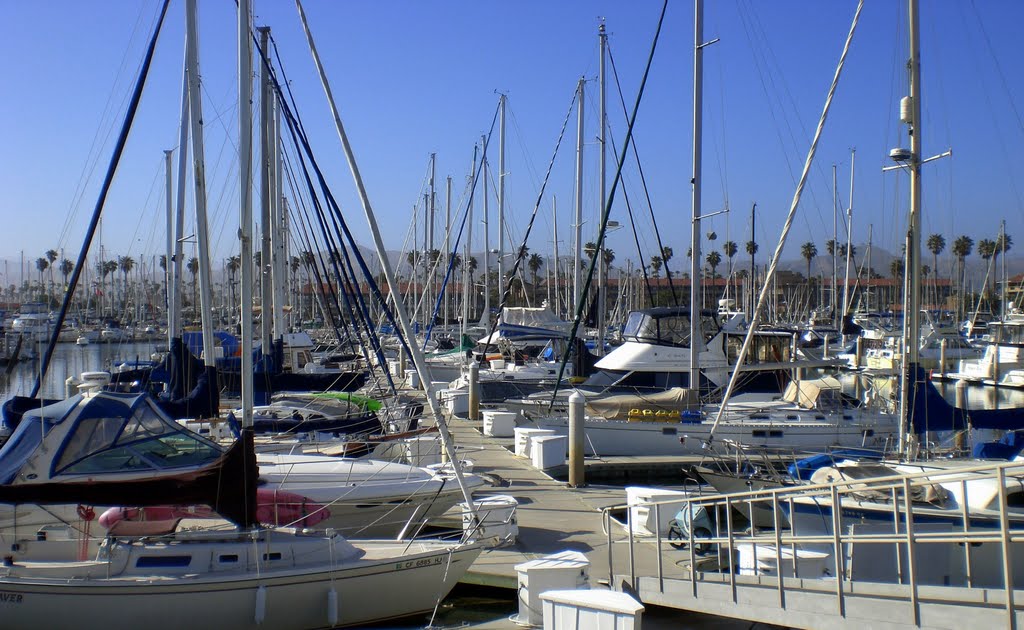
(554, 517)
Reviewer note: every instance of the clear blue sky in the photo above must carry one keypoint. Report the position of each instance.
(413, 78)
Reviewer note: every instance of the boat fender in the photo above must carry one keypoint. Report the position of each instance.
(261, 604)
(332, 607)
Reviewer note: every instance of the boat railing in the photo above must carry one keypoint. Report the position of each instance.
(693, 560)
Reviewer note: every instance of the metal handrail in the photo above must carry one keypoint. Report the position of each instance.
(904, 535)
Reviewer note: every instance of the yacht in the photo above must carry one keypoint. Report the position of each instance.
(655, 356)
(33, 322)
(1002, 362)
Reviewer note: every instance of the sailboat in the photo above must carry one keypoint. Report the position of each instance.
(90, 449)
(809, 416)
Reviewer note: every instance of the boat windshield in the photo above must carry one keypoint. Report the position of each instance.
(668, 327)
(113, 437)
(1007, 333)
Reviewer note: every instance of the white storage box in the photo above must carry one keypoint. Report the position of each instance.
(642, 514)
(422, 450)
(764, 559)
(499, 423)
(412, 378)
(524, 436)
(497, 514)
(590, 610)
(548, 451)
(566, 570)
(457, 402)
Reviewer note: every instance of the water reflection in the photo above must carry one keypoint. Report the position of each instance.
(71, 360)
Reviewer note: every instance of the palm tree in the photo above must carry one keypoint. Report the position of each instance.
(534, 263)
(987, 250)
(808, 251)
(233, 265)
(1003, 244)
(66, 267)
(714, 259)
(962, 248)
(51, 257)
(896, 269)
(656, 263)
(936, 243)
(193, 268)
(42, 264)
(126, 264)
(730, 248)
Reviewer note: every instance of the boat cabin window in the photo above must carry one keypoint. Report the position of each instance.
(670, 327)
(763, 348)
(110, 437)
(603, 378)
(616, 379)
(1006, 333)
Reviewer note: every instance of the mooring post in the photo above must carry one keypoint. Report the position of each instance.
(576, 414)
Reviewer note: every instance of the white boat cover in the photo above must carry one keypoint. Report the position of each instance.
(806, 393)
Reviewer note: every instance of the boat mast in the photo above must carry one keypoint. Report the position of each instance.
(278, 219)
(422, 367)
(428, 308)
(1002, 250)
(752, 286)
(447, 242)
(199, 160)
(423, 301)
(554, 223)
(245, 202)
(835, 246)
(577, 283)
(603, 161)
(468, 291)
(501, 196)
(168, 154)
(849, 246)
(696, 337)
(266, 252)
(177, 260)
(485, 316)
(912, 311)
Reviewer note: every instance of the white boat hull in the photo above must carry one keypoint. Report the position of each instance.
(387, 583)
(626, 438)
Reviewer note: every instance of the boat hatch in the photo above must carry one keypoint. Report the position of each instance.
(668, 431)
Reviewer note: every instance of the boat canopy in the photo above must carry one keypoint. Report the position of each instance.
(624, 406)
(97, 434)
(667, 326)
(106, 448)
(814, 394)
(522, 323)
